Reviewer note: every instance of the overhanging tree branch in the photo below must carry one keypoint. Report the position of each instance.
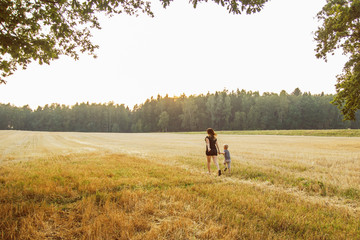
(341, 30)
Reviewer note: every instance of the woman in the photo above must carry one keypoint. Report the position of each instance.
(212, 149)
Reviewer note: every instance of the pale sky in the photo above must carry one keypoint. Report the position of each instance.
(186, 50)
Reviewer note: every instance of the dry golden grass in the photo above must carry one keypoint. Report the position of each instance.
(155, 186)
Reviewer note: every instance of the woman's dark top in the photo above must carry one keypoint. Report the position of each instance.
(213, 151)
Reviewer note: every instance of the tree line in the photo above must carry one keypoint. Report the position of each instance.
(43, 30)
(222, 110)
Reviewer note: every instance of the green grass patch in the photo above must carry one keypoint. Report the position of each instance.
(320, 133)
(311, 186)
(351, 193)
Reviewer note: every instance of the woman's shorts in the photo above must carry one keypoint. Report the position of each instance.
(212, 152)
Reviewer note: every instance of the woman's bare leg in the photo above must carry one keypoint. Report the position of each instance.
(216, 162)
(208, 162)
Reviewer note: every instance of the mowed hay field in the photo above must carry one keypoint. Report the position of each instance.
(155, 186)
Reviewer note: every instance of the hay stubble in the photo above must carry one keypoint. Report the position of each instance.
(155, 186)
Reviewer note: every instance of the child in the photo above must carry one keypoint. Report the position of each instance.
(227, 159)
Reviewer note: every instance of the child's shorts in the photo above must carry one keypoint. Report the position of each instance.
(227, 164)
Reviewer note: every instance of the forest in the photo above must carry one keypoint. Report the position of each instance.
(222, 110)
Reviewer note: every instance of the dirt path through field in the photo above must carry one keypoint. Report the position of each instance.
(333, 160)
